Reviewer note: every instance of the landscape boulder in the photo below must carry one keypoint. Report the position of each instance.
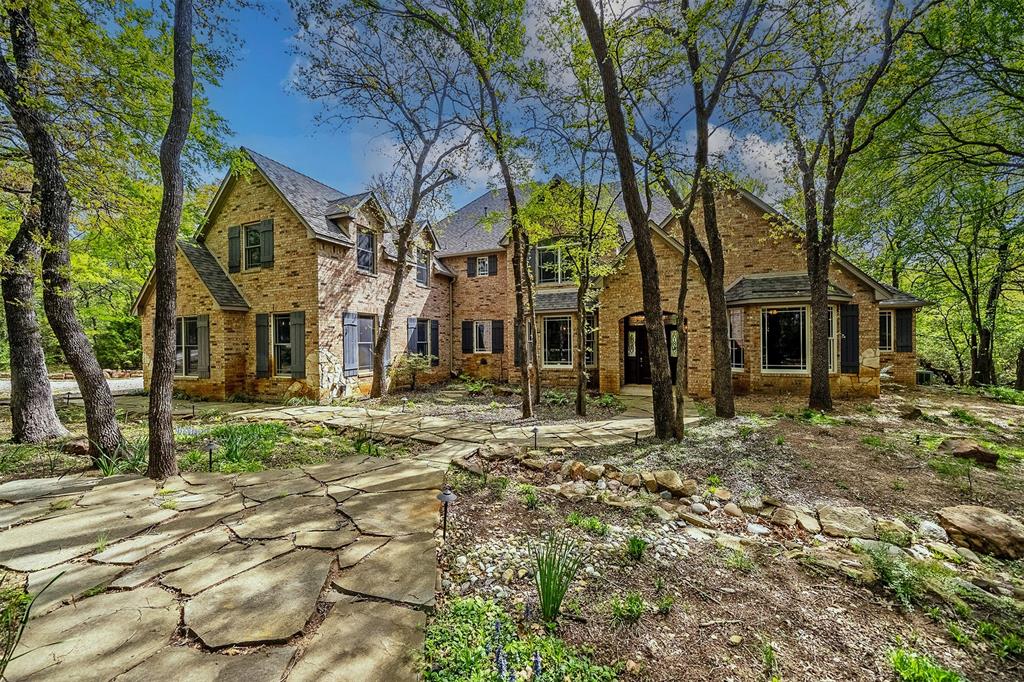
(78, 447)
(649, 482)
(594, 472)
(671, 481)
(984, 529)
(846, 522)
(969, 449)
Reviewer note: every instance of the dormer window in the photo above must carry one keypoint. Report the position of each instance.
(366, 251)
(422, 266)
(550, 268)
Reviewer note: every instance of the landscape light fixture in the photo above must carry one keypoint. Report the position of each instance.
(67, 399)
(209, 451)
(445, 497)
(405, 403)
(536, 430)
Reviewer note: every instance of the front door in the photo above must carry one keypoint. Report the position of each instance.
(637, 356)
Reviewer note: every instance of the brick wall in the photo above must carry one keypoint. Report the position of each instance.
(902, 366)
(344, 289)
(483, 298)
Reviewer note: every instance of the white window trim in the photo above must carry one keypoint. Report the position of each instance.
(892, 331)
(486, 325)
(179, 328)
(419, 321)
(833, 340)
(373, 339)
(426, 266)
(591, 330)
(373, 252)
(806, 370)
(245, 247)
(559, 273)
(543, 346)
(482, 266)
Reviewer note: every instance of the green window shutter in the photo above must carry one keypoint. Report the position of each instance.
(497, 336)
(234, 249)
(203, 331)
(434, 345)
(262, 346)
(267, 244)
(297, 322)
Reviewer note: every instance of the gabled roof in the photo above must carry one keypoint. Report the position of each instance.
(225, 294)
(482, 224)
(777, 288)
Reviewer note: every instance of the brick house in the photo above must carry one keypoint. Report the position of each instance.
(282, 289)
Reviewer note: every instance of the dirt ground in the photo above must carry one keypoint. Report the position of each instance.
(792, 620)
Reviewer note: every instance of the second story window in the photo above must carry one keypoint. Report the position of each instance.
(366, 251)
(253, 246)
(482, 270)
(550, 268)
(422, 266)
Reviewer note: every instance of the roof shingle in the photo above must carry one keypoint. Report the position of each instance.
(776, 287)
(213, 276)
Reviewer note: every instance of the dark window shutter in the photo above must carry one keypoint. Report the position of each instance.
(904, 330)
(497, 336)
(471, 266)
(350, 344)
(203, 331)
(467, 336)
(297, 322)
(234, 249)
(267, 245)
(434, 343)
(410, 346)
(492, 265)
(517, 345)
(262, 346)
(849, 347)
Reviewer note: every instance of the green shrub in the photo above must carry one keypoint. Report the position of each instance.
(461, 642)
(238, 447)
(629, 610)
(897, 575)
(555, 398)
(966, 417)
(608, 401)
(410, 365)
(557, 562)
(131, 458)
(530, 498)
(665, 605)
(591, 524)
(472, 385)
(913, 667)
(1005, 394)
(738, 560)
(635, 548)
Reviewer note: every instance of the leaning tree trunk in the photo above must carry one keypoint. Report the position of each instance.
(33, 415)
(820, 397)
(163, 461)
(580, 359)
(1019, 383)
(379, 385)
(55, 229)
(683, 359)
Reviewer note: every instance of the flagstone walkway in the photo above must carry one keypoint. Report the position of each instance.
(322, 572)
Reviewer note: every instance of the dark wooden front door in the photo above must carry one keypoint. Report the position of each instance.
(637, 357)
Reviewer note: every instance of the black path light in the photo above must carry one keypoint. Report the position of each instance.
(210, 445)
(445, 497)
(405, 403)
(536, 430)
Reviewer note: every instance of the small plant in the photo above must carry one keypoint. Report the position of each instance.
(635, 548)
(897, 576)
(818, 418)
(169, 504)
(914, 667)
(530, 498)
(965, 417)
(472, 385)
(591, 524)
(557, 562)
(15, 609)
(101, 542)
(555, 398)
(958, 634)
(629, 610)
(769, 661)
(738, 560)
(665, 605)
(608, 401)
(745, 430)
(898, 485)
(714, 481)
(873, 441)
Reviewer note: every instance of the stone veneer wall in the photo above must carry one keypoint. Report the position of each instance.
(344, 289)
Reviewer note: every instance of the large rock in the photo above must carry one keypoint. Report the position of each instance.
(984, 529)
(969, 449)
(172, 662)
(268, 603)
(846, 522)
(671, 481)
(366, 641)
(96, 639)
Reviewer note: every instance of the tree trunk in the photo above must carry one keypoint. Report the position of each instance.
(526, 385)
(984, 371)
(532, 316)
(580, 359)
(661, 377)
(682, 361)
(380, 383)
(163, 461)
(33, 415)
(820, 397)
(55, 229)
(715, 284)
(1019, 383)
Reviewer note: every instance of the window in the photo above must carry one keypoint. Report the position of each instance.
(366, 251)
(422, 266)
(590, 352)
(736, 338)
(832, 338)
(423, 337)
(481, 266)
(557, 341)
(365, 325)
(186, 347)
(550, 269)
(482, 336)
(282, 344)
(784, 339)
(253, 246)
(885, 330)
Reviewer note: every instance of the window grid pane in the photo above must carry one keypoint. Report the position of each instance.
(365, 250)
(422, 337)
(422, 269)
(253, 246)
(282, 344)
(557, 341)
(784, 339)
(736, 338)
(365, 332)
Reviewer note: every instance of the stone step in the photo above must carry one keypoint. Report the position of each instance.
(441, 400)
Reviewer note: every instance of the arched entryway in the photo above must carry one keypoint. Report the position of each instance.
(635, 349)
